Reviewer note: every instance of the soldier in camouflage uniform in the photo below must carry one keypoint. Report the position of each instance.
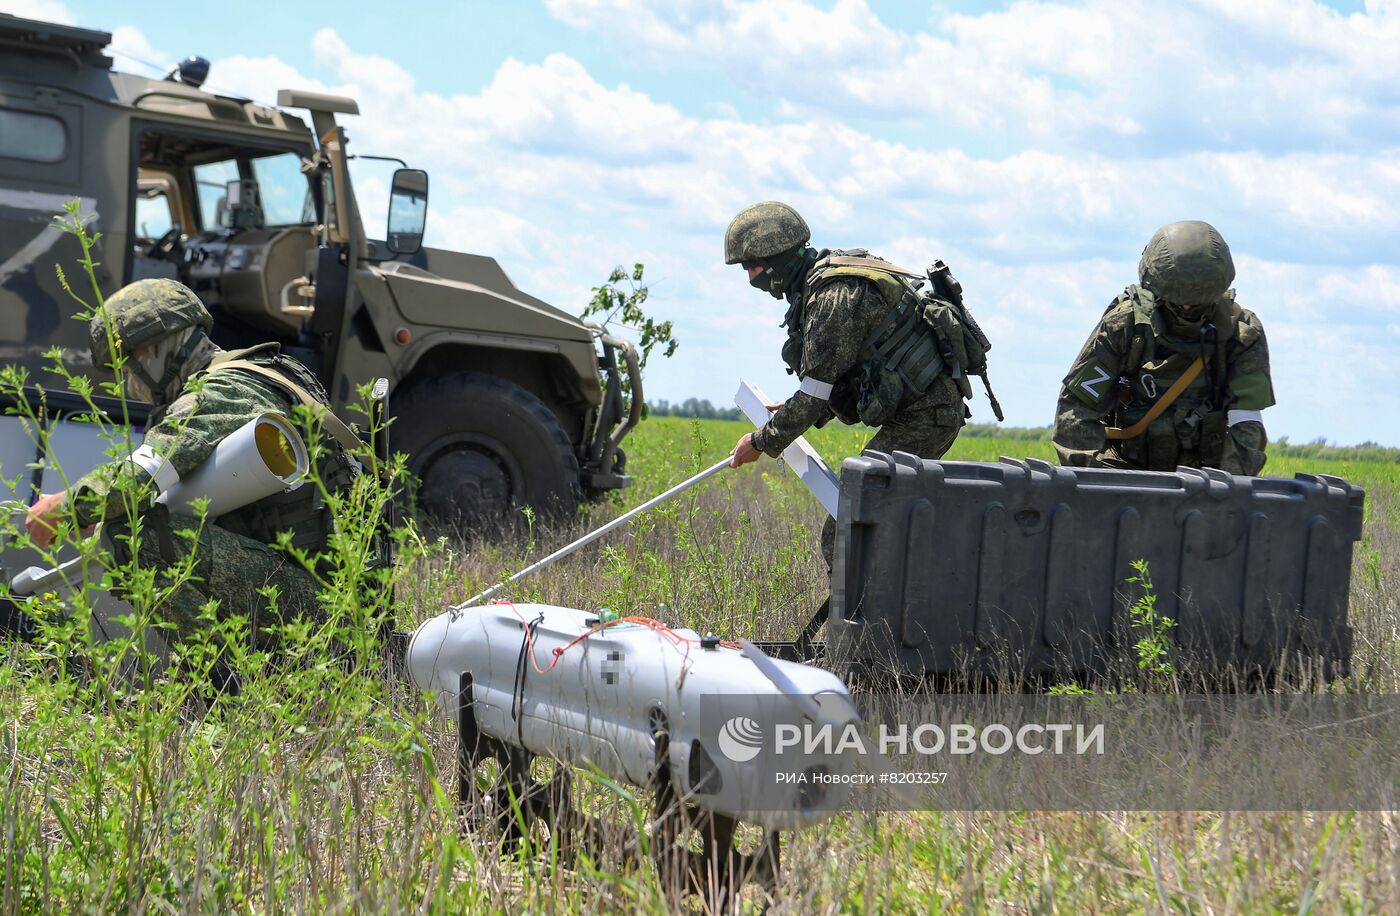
(201, 395)
(1176, 373)
(841, 344)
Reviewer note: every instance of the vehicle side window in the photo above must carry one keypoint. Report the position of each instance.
(283, 190)
(36, 137)
(153, 214)
(211, 179)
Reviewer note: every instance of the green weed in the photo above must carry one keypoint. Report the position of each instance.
(327, 785)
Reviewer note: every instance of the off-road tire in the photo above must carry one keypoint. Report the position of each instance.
(480, 448)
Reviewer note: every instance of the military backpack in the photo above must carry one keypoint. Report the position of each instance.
(927, 332)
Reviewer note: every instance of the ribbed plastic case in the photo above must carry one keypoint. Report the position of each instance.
(1022, 567)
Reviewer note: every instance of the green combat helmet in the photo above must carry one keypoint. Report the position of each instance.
(157, 325)
(142, 313)
(1187, 263)
(762, 231)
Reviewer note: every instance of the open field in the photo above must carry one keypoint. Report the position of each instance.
(327, 788)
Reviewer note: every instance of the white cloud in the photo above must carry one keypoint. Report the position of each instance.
(1282, 74)
(43, 10)
(130, 45)
(785, 30)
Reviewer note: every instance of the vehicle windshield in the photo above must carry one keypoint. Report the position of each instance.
(284, 190)
(284, 194)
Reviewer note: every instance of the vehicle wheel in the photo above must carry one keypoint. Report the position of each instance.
(482, 447)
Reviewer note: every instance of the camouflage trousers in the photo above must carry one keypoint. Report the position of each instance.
(927, 434)
(234, 570)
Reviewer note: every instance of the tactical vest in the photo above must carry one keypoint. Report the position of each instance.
(1191, 429)
(901, 357)
(302, 511)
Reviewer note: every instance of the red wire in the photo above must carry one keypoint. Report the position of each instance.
(651, 623)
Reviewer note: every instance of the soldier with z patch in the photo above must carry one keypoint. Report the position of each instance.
(1176, 373)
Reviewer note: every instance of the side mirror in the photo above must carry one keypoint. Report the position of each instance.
(408, 211)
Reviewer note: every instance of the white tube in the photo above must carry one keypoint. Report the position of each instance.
(63, 578)
(263, 457)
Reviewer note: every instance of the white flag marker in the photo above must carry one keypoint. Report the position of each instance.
(800, 456)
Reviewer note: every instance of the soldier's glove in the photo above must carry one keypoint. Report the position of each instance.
(1108, 458)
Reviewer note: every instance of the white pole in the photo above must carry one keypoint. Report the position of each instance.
(594, 535)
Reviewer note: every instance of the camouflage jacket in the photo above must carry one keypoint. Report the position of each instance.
(1132, 360)
(185, 433)
(826, 328)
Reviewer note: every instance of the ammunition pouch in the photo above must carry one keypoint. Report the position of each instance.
(160, 544)
(881, 390)
(156, 531)
(301, 512)
(1190, 434)
(845, 399)
(1210, 441)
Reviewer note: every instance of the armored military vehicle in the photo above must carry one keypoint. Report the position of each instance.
(500, 399)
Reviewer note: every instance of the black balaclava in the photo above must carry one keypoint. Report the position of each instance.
(784, 271)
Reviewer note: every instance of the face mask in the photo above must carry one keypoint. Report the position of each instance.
(781, 272)
(765, 281)
(162, 368)
(136, 390)
(1183, 319)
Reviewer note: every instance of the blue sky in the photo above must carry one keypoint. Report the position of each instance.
(1033, 145)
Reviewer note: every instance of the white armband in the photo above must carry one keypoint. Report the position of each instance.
(1234, 417)
(819, 390)
(161, 471)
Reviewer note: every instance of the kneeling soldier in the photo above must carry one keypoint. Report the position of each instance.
(1176, 373)
(201, 395)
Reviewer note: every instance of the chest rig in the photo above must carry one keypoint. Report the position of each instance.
(1164, 416)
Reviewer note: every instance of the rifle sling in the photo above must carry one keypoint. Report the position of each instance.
(329, 421)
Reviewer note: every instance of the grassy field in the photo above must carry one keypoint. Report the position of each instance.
(327, 787)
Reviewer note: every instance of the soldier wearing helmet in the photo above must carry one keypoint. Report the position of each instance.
(842, 310)
(1176, 373)
(155, 332)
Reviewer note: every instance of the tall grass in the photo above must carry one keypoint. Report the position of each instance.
(327, 785)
